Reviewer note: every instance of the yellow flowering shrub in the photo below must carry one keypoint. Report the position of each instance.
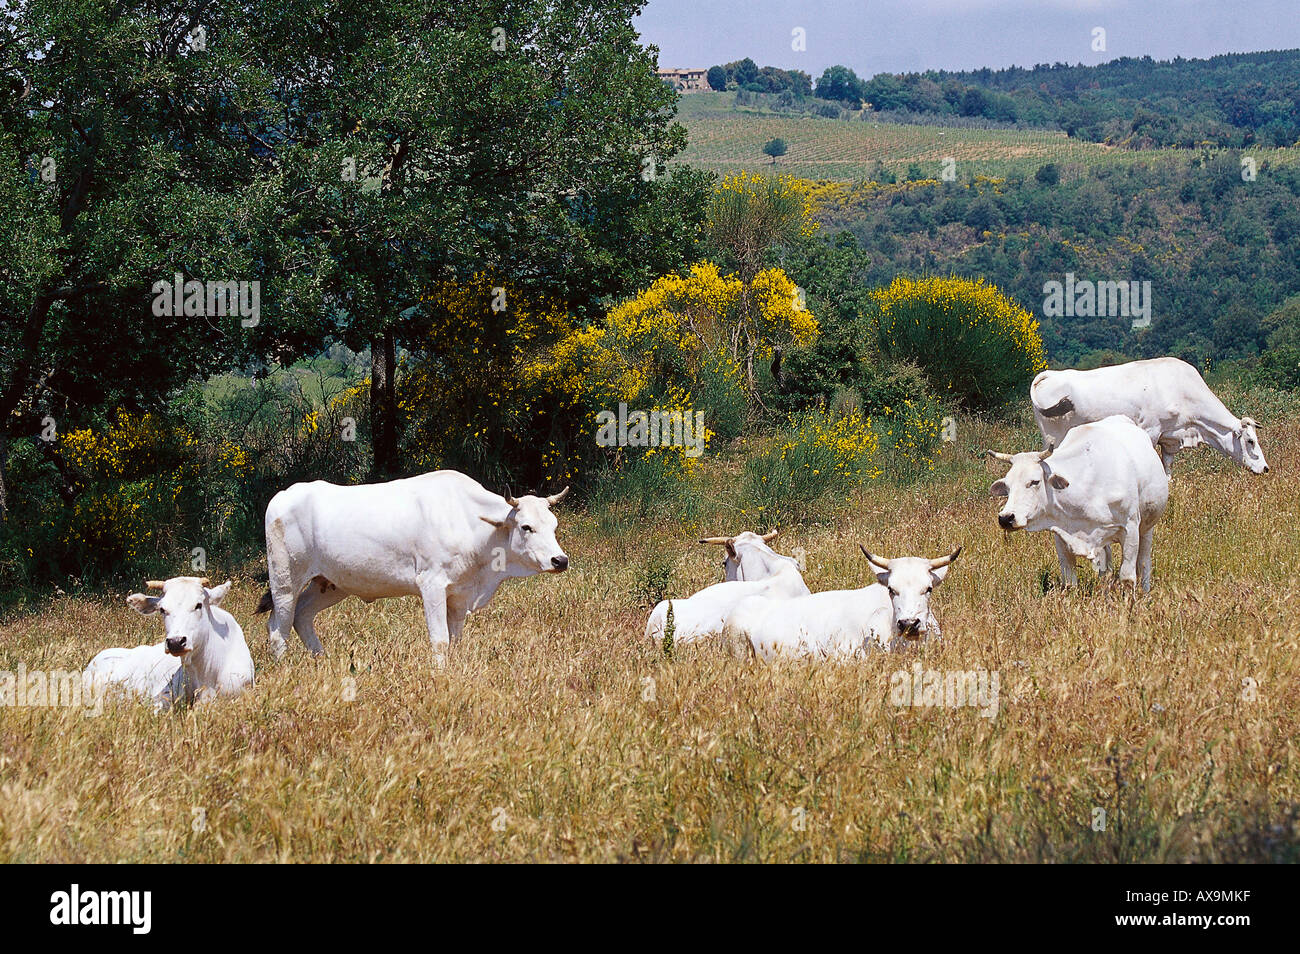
(141, 483)
(976, 345)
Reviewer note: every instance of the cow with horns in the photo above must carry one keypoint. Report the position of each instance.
(440, 536)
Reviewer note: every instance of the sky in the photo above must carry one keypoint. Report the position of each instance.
(898, 36)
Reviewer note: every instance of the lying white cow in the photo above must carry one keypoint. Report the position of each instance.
(203, 655)
(888, 614)
(1165, 397)
(441, 536)
(1104, 484)
(753, 569)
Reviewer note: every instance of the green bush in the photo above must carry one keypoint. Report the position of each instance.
(976, 346)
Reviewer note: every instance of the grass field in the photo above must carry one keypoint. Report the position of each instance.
(556, 734)
(724, 139)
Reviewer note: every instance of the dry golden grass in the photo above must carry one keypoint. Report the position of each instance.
(555, 734)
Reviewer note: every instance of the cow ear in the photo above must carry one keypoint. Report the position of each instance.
(938, 575)
(1059, 482)
(218, 593)
(882, 576)
(499, 524)
(144, 605)
(999, 489)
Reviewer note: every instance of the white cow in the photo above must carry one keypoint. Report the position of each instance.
(889, 614)
(1165, 397)
(1104, 484)
(441, 536)
(203, 655)
(752, 568)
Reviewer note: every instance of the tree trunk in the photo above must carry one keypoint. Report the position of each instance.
(383, 405)
(4, 462)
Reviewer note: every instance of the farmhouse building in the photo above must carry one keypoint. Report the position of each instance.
(685, 81)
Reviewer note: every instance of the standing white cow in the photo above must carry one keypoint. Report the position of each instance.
(752, 568)
(891, 613)
(203, 655)
(441, 536)
(1103, 485)
(1165, 397)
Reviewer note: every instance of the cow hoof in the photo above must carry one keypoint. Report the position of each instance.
(439, 661)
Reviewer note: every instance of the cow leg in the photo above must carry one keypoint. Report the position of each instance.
(319, 594)
(1167, 453)
(1066, 558)
(457, 610)
(284, 589)
(1129, 545)
(434, 594)
(1145, 540)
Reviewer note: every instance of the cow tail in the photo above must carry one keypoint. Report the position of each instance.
(1059, 409)
(265, 604)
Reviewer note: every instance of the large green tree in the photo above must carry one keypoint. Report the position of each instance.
(424, 144)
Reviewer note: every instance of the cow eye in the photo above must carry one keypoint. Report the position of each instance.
(1033, 483)
(198, 606)
(928, 589)
(893, 592)
(526, 529)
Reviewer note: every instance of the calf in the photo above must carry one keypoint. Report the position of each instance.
(203, 655)
(1104, 484)
(889, 614)
(752, 569)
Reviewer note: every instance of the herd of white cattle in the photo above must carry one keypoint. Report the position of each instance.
(1102, 479)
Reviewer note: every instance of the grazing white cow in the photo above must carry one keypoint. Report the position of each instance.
(753, 569)
(1165, 397)
(891, 613)
(441, 536)
(1104, 484)
(203, 655)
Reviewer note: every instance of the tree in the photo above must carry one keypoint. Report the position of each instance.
(717, 77)
(841, 84)
(485, 138)
(749, 215)
(127, 147)
(745, 72)
(774, 148)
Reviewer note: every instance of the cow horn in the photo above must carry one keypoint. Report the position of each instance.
(154, 584)
(553, 499)
(205, 582)
(996, 456)
(510, 499)
(770, 535)
(873, 559)
(1043, 455)
(944, 561)
(1251, 421)
(717, 541)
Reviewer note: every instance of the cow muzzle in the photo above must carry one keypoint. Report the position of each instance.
(909, 628)
(1007, 521)
(559, 563)
(175, 646)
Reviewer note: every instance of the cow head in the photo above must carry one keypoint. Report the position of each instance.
(910, 581)
(1246, 449)
(530, 526)
(748, 556)
(1027, 487)
(186, 605)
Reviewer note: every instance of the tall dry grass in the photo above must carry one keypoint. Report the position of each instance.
(555, 734)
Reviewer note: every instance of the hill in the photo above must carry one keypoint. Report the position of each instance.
(726, 137)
